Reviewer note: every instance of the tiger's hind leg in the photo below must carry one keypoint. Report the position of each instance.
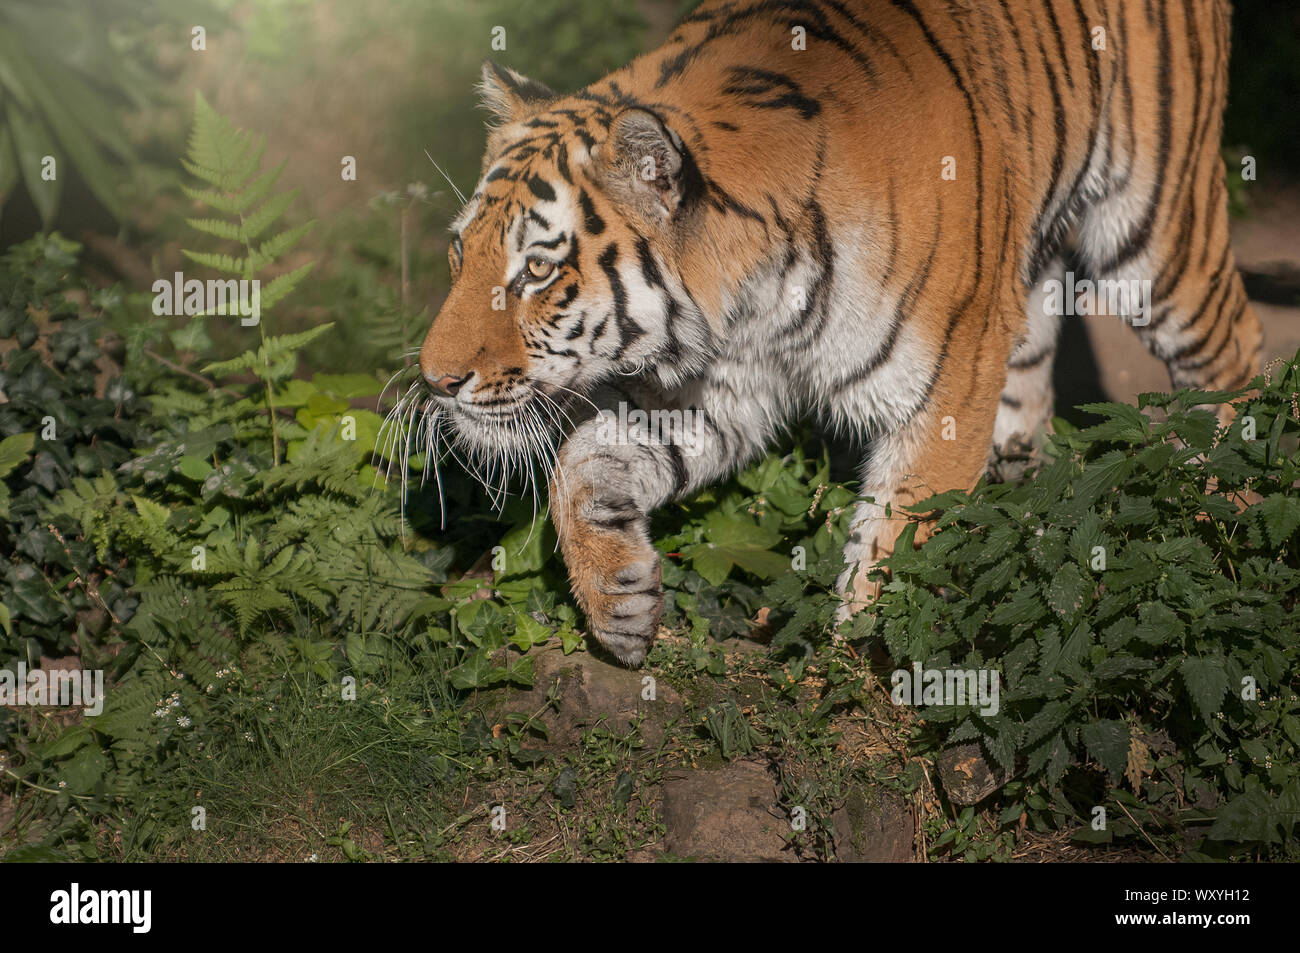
(1025, 407)
(1194, 313)
(1160, 226)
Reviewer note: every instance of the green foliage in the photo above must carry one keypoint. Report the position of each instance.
(68, 72)
(1138, 596)
(65, 416)
(228, 160)
(227, 551)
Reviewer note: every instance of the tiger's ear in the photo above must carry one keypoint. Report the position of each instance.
(641, 164)
(509, 95)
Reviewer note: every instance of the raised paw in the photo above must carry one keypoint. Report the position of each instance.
(617, 580)
(624, 605)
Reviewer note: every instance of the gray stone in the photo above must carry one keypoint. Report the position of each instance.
(874, 827)
(590, 691)
(726, 814)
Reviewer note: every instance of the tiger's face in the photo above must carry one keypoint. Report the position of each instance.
(562, 266)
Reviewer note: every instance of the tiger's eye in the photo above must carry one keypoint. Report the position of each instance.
(539, 267)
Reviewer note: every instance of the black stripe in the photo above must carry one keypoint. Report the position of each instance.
(595, 224)
(786, 93)
(680, 475)
(628, 329)
(541, 188)
(1140, 238)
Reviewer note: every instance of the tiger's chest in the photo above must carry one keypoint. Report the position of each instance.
(819, 331)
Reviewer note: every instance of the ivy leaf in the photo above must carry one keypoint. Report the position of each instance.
(735, 540)
(529, 632)
(14, 450)
(477, 671)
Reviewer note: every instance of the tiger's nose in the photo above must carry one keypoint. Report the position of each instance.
(447, 385)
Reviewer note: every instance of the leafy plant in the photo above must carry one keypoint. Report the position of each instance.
(228, 160)
(1139, 597)
(67, 73)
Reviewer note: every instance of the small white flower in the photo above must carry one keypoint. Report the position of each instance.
(63, 784)
(160, 712)
(183, 721)
(248, 736)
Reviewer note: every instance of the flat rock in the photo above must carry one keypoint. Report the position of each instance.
(873, 827)
(726, 814)
(590, 691)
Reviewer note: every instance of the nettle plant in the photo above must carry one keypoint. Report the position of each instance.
(1138, 595)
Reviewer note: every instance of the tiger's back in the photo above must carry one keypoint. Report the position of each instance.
(864, 212)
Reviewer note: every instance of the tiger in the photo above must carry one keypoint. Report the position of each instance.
(848, 211)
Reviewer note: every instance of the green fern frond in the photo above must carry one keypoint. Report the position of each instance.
(277, 288)
(222, 263)
(213, 199)
(220, 154)
(329, 464)
(229, 160)
(270, 250)
(266, 216)
(258, 189)
(276, 349)
(215, 226)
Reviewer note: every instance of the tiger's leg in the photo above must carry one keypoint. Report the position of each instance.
(1025, 408)
(1162, 220)
(606, 483)
(1197, 318)
(944, 446)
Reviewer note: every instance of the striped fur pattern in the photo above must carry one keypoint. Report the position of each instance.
(860, 231)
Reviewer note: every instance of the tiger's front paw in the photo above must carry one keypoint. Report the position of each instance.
(625, 606)
(619, 585)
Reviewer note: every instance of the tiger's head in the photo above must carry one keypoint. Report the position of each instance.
(565, 267)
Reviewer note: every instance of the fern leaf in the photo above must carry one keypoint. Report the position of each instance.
(220, 154)
(265, 217)
(223, 263)
(257, 190)
(217, 200)
(215, 226)
(269, 251)
(277, 288)
(246, 361)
